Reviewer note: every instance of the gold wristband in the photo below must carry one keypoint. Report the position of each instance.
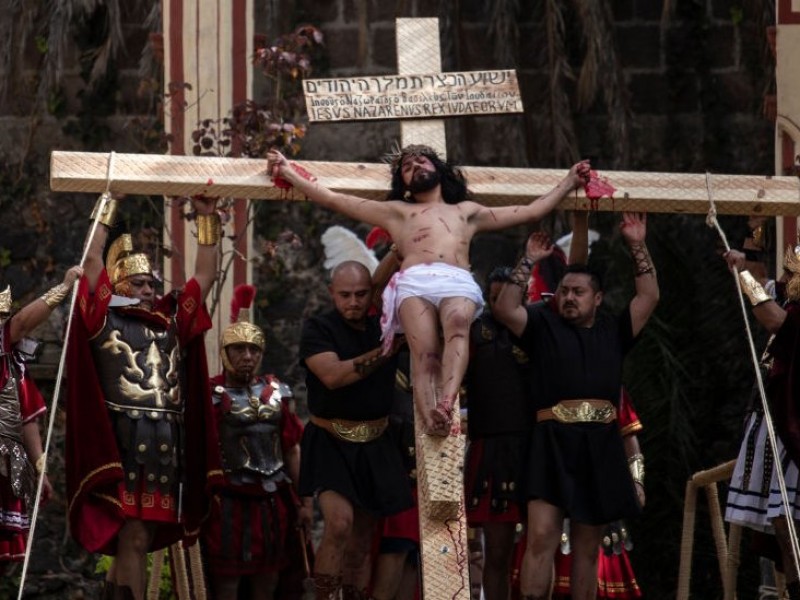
(752, 289)
(636, 467)
(209, 229)
(108, 216)
(40, 463)
(55, 295)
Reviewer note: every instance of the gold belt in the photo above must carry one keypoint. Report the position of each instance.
(352, 431)
(579, 411)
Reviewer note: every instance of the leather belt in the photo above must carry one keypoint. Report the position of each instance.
(579, 411)
(352, 431)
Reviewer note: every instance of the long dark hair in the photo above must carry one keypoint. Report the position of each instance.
(454, 185)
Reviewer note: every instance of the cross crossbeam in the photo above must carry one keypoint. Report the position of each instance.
(492, 186)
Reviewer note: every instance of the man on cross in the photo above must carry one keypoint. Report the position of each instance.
(432, 222)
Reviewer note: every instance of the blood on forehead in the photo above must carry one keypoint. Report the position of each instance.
(413, 151)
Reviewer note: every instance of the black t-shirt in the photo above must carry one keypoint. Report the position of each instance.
(369, 398)
(574, 363)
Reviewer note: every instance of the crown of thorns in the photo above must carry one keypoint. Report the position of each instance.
(397, 154)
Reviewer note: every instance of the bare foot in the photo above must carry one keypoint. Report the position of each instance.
(439, 423)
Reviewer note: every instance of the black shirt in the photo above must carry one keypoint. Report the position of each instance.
(574, 363)
(366, 399)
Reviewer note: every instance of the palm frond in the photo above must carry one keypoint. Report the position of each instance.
(562, 126)
(601, 71)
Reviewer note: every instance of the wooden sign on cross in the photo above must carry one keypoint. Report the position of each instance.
(442, 523)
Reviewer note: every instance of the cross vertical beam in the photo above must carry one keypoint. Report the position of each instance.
(418, 51)
(440, 461)
(787, 122)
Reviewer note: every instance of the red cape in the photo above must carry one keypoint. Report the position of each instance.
(782, 384)
(94, 470)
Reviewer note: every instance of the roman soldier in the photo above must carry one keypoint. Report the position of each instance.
(252, 531)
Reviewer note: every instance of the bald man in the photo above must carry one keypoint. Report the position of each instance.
(348, 459)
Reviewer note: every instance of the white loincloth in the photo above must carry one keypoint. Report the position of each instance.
(433, 282)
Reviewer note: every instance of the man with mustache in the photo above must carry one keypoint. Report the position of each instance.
(140, 459)
(350, 462)
(252, 526)
(577, 464)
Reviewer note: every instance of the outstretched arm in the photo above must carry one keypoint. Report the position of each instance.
(493, 218)
(209, 232)
(30, 316)
(105, 212)
(382, 214)
(634, 229)
(509, 308)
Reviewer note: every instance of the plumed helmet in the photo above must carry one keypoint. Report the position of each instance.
(122, 262)
(241, 330)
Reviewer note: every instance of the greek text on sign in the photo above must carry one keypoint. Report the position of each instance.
(413, 96)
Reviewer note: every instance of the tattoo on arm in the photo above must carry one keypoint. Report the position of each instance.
(366, 365)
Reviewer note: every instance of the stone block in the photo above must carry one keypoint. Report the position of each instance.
(639, 46)
(649, 93)
(384, 47)
(342, 47)
(722, 47)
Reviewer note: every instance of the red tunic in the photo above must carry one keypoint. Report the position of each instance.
(98, 503)
(249, 529)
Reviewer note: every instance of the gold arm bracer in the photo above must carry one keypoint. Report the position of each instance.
(55, 295)
(754, 291)
(636, 467)
(209, 229)
(108, 216)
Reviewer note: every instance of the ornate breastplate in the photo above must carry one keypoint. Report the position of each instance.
(138, 367)
(10, 417)
(250, 433)
(14, 463)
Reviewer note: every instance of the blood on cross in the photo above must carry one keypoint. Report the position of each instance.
(597, 187)
(285, 185)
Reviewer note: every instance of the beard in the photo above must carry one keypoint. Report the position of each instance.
(424, 181)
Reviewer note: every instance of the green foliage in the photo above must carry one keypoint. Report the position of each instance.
(277, 122)
(165, 583)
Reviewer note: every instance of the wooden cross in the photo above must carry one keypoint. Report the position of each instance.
(439, 460)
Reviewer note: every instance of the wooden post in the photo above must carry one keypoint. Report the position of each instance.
(209, 46)
(785, 43)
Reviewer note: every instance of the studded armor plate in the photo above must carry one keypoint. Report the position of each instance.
(138, 368)
(14, 463)
(250, 433)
